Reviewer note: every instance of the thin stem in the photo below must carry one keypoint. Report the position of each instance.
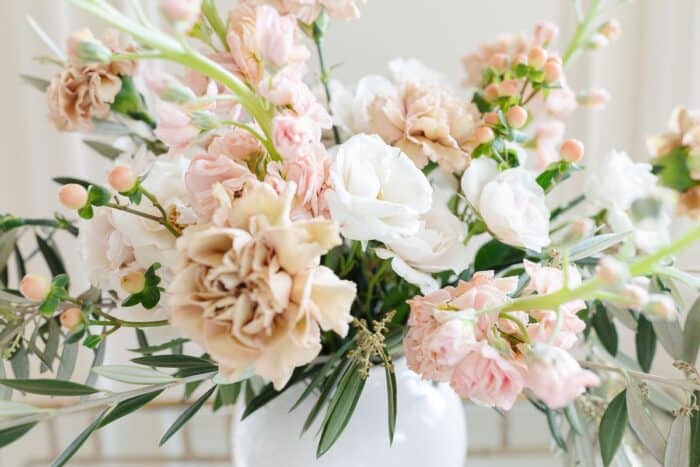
(214, 20)
(154, 201)
(114, 321)
(147, 54)
(684, 384)
(138, 11)
(160, 220)
(325, 75)
(582, 30)
(267, 144)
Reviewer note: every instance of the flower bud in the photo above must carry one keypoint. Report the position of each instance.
(168, 88)
(133, 282)
(594, 98)
(71, 318)
(661, 306)
(537, 57)
(612, 30)
(73, 196)
(84, 49)
(491, 118)
(612, 272)
(491, 92)
(484, 134)
(546, 32)
(122, 178)
(205, 120)
(35, 287)
(581, 228)
(572, 150)
(499, 62)
(598, 41)
(508, 88)
(636, 296)
(520, 59)
(552, 70)
(181, 11)
(516, 117)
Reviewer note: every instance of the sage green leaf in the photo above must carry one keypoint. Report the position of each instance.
(51, 256)
(229, 392)
(678, 447)
(554, 424)
(68, 359)
(133, 374)
(691, 334)
(12, 434)
(128, 406)
(605, 328)
(186, 415)
(643, 425)
(268, 392)
(695, 434)
(49, 387)
(51, 344)
(390, 375)
(670, 335)
(496, 255)
(16, 409)
(174, 361)
(39, 84)
(20, 363)
(78, 442)
(105, 150)
(151, 349)
(593, 245)
(326, 391)
(5, 393)
(97, 361)
(645, 343)
(612, 427)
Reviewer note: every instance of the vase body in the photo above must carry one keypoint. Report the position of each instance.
(430, 429)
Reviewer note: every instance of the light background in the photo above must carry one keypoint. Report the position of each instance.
(651, 69)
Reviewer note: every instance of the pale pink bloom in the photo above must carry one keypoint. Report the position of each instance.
(545, 33)
(561, 102)
(181, 11)
(242, 41)
(308, 10)
(275, 36)
(234, 143)
(548, 136)
(556, 377)
(487, 378)
(286, 89)
(309, 171)
(293, 135)
(596, 98)
(175, 128)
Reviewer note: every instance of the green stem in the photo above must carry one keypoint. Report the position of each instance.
(160, 220)
(154, 201)
(114, 321)
(582, 30)
(325, 75)
(212, 15)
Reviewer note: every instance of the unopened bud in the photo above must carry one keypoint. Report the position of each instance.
(546, 32)
(598, 41)
(636, 296)
(205, 120)
(484, 135)
(612, 272)
(516, 117)
(73, 196)
(35, 287)
(572, 150)
(499, 62)
(122, 178)
(537, 57)
(168, 88)
(508, 88)
(612, 30)
(491, 118)
(520, 59)
(84, 49)
(661, 306)
(552, 70)
(491, 92)
(581, 228)
(133, 282)
(71, 318)
(181, 11)
(594, 98)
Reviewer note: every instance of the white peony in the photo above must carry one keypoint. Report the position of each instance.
(614, 185)
(438, 246)
(404, 70)
(349, 108)
(376, 192)
(511, 203)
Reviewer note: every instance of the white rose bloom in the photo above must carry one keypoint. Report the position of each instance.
(349, 109)
(614, 185)
(376, 192)
(511, 203)
(104, 250)
(435, 248)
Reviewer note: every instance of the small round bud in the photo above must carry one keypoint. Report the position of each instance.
(35, 287)
(537, 57)
(572, 150)
(598, 41)
(484, 134)
(612, 272)
(122, 178)
(520, 59)
(661, 306)
(552, 71)
(546, 32)
(71, 318)
(491, 92)
(73, 196)
(491, 118)
(133, 282)
(581, 228)
(594, 98)
(508, 88)
(636, 296)
(499, 62)
(516, 117)
(612, 30)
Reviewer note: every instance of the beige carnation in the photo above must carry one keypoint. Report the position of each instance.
(428, 123)
(252, 292)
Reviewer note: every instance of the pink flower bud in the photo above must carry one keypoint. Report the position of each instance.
(181, 11)
(491, 92)
(636, 296)
(35, 287)
(516, 117)
(122, 178)
(73, 196)
(571, 150)
(167, 87)
(537, 57)
(612, 272)
(71, 318)
(612, 30)
(581, 228)
(545, 33)
(499, 62)
(83, 48)
(484, 134)
(491, 118)
(520, 59)
(661, 306)
(594, 98)
(133, 282)
(508, 88)
(552, 71)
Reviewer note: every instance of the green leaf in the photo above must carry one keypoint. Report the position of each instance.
(672, 170)
(52, 341)
(691, 334)
(39, 84)
(106, 150)
(341, 408)
(186, 415)
(67, 180)
(326, 390)
(593, 245)
(269, 392)
(645, 341)
(174, 361)
(158, 348)
(391, 399)
(130, 103)
(78, 442)
(497, 255)
(51, 257)
(612, 427)
(49, 387)
(642, 423)
(695, 434)
(133, 374)
(128, 406)
(12, 434)
(229, 392)
(553, 422)
(678, 448)
(20, 363)
(68, 359)
(605, 328)
(556, 173)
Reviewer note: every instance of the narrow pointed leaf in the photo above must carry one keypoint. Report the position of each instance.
(51, 256)
(78, 442)
(159, 348)
(645, 343)
(678, 447)
(105, 150)
(49, 387)
(16, 409)
(612, 427)
(391, 400)
(186, 415)
(128, 406)
(174, 361)
(133, 374)
(326, 391)
(12, 434)
(68, 359)
(605, 329)
(691, 334)
(643, 425)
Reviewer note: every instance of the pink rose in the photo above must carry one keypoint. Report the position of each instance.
(292, 135)
(556, 377)
(488, 379)
(175, 128)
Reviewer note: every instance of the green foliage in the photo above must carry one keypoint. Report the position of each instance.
(186, 415)
(149, 297)
(645, 341)
(612, 427)
(672, 170)
(556, 173)
(49, 387)
(130, 102)
(497, 255)
(605, 328)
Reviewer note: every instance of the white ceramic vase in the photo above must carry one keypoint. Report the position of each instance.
(431, 429)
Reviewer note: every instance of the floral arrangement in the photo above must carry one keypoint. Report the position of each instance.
(295, 231)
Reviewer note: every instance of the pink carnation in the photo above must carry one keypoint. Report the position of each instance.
(175, 128)
(293, 135)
